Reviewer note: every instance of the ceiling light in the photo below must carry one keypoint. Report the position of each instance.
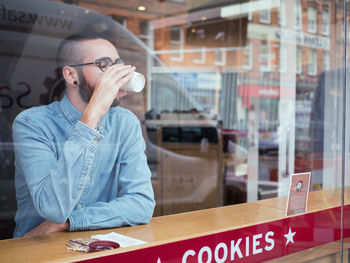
(141, 8)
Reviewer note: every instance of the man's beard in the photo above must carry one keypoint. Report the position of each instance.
(85, 91)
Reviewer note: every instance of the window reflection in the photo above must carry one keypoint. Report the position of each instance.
(298, 15)
(225, 84)
(312, 19)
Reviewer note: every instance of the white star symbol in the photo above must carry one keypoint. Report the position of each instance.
(289, 236)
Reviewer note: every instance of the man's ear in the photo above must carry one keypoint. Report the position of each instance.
(71, 76)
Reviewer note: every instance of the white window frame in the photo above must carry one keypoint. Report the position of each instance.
(282, 13)
(298, 13)
(145, 37)
(298, 60)
(179, 42)
(312, 23)
(248, 49)
(264, 68)
(265, 9)
(325, 21)
(312, 63)
(250, 12)
(202, 59)
(220, 53)
(341, 31)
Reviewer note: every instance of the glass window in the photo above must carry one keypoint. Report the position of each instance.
(144, 34)
(220, 58)
(250, 12)
(312, 63)
(282, 13)
(265, 12)
(312, 19)
(200, 56)
(247, 55)
(325, 22)
(298, 15)
(265, 62)
(176, 43)
(239, 99)
(298, 61)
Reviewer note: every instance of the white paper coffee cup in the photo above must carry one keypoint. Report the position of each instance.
(136, 84)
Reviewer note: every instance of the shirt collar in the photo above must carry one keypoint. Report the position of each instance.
(71, 113)
(74, 115)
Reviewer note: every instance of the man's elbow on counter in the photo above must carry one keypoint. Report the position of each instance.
(146, 213)
(55, 218)
(54, 215)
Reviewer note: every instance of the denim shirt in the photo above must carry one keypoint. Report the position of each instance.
(67, 170)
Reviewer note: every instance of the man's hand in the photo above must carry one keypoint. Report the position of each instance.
(47, 227)
(105, 92)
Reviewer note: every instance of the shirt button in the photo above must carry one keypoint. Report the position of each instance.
(89, 177)
(96, 140)
(79, 206)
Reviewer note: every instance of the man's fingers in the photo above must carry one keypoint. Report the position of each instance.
(117, 70)
(117, 75)
(122, 76)
(30, 234)
(124, 79)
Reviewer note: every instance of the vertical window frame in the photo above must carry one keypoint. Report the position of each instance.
(312, 19)
(298, 60)
(248, 50)
(326, 20)
(298, 13)
(282, 14)
(179, 42)
(312, 63)
(267, 47)
(265, 9)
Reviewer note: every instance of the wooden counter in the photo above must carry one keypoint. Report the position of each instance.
(161, 230)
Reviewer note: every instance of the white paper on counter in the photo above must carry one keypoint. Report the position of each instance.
(123, 241)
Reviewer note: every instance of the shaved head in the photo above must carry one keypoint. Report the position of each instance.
(72, 51)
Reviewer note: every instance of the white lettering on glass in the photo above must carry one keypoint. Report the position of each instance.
(256, 243)
(270, 241)
(202, 251)
(216, 253)
(189, 252)
(235, 249)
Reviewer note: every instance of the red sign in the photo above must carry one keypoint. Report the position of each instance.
(250, 244)
(248, 91)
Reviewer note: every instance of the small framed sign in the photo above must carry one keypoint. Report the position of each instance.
(298, 193)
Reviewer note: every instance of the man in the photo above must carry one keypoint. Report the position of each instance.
(80, 162)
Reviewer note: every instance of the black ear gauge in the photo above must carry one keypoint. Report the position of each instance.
(75, 82)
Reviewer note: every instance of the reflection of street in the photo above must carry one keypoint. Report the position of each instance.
(236, 174)
(184, 151)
